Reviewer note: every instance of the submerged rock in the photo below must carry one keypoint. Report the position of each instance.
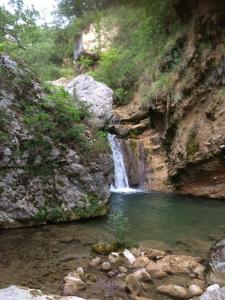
(73, 283)
(173, 290)
(19, 293)
(104, 248)
(175, 264)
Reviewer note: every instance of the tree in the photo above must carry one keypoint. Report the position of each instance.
(13, 26)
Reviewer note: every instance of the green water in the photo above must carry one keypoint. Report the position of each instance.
(40, 257)
(171, 218)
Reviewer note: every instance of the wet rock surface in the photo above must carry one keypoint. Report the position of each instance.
(128, 279)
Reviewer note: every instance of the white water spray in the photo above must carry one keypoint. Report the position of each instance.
(121, 184)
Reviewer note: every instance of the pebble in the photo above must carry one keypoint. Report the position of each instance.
(122, 269)
(106, 266)
(95, 262)
(112, 274)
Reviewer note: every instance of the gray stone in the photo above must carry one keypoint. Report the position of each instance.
(106, 266)
(19, 293)
(30, 192)
(217, 264)
(214, 294)
(97, 95)
(72, 284)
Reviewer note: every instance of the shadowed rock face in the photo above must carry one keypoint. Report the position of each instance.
(39, 184)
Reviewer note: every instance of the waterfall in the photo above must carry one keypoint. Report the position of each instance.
(121, 183)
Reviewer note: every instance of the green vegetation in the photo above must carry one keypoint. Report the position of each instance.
(137, 47)
(58, 213)
(36, 45)
(57, 117)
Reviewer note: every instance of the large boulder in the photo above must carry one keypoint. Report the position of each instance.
(97, 95)
(18, 293)
(216, 272)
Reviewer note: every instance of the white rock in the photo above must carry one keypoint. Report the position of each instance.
(213, 287)
(106, 266)
(195, 290)
(19, 293)
(113, 257)
(129, 256)
(97, 95)
(73, 283)
(80, 272)
(214, 294)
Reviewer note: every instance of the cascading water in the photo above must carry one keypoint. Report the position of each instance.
(121, 183)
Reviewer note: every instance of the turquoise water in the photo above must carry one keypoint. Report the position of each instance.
(39, 257)
(171, 218)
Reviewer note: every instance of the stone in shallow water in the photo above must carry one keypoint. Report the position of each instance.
(72, 284)
(173, 290)
(195, 290)
(129, 256)
(141, 262)
(18, 293)
(95, 262)
(106, 266)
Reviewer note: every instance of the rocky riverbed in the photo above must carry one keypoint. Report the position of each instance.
(138, 273)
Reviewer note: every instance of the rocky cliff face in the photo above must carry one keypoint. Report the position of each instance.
(44, 177)
(191, 113)
(182, 127)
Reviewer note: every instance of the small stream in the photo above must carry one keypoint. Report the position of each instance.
(39, 257)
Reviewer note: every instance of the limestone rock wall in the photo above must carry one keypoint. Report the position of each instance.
(56, 184)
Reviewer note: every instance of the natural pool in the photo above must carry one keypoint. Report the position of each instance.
(40, 257)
